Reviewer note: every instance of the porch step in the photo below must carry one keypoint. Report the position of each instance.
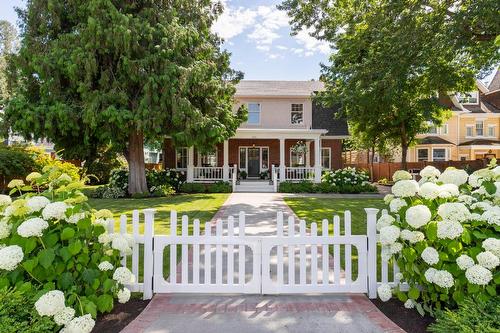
(256, 186)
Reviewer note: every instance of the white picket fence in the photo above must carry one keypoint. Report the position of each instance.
(294, 260)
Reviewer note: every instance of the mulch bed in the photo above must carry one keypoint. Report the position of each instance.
(120, 317)
(408, 319)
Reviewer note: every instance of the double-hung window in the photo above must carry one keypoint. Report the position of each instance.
(468, 131)
(479, 128)
(181, 157)
(439, 154)
(253, 113)
(297, 115)
(326, 158)
(423, 154)
(491, 131)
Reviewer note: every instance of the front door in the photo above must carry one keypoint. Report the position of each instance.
(253, 162)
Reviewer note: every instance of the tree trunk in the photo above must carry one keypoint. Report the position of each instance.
(164, 150)
(371, 163)
(404, 148)
(136, 167)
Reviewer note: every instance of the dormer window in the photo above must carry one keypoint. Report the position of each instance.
(468, 98)
(297, 115)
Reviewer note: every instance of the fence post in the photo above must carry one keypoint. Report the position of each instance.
(371, 232)
(149, 216)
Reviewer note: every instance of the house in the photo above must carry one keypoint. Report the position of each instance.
(285, 131)
(472, 132)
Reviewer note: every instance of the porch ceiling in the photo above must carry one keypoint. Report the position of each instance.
(278, 133)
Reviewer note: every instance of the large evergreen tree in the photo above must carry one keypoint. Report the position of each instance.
(95, 72)
(393, 58)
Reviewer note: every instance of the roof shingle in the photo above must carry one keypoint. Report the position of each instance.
(278, 88)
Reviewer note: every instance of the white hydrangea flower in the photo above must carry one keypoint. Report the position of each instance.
(387, 199)
(416, 236)
(418, 216)
(467, 199)
(104, 238)
(64, 316)
(449, 229)
(5, 200)
(475, 217)
(454, 176)
(455, 211)
(464, 262)
(55, 210)
(444, 279)
(483, 205)
(5, 229)
(384, 292)
(10, 257)
(8, 211)
(448, 191)
(33, 227)
(475, 180)
(396, 204)
(398, 276)
(73, 219)
(430, 255)
(384, 221)
(492, 216)
(36, 203)
(123, 275)
(120, 243)
(103, 222)
(83, 324)
(429, 173)
(103, 214)
(50, 303)
(105, 266)
(401, 175)
(488, 260)
(409, 304)
(33, 176)
(15, 183)
(492, 245)
(395, 248)
(389, 235)
(479, 275)
(123, 295)
(405, 188)
(429, 274)
(429, 191)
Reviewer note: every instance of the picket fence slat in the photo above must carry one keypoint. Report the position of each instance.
(241, 251)
(348, 248)
(208, 254)
(336, 250)
(325, 255)
(314, 256)
(279, 250)
(184, 260)
(291, 251)
(230, 251)
(173, 248)
(196, 253)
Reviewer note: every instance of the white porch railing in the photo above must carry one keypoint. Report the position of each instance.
(208, 174)
(299, 173)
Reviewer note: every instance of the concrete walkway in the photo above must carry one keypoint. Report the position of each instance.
(192, 313)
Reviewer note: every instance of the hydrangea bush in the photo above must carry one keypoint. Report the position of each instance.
(348, 180)
(53, 240)
(443, 232)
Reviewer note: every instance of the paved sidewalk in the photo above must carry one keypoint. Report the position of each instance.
(188, 313)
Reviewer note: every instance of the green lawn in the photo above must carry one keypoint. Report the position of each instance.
(317, 209)
(196, 206)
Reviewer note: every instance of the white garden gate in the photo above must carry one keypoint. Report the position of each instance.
(293, 260)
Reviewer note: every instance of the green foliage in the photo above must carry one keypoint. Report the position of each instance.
(218, 187)
(243, 174)
(348, 180)
(108, 192)
(173, 178)
(162, 191)
(17, 312)
(473, 315)
(131, 73)
(300, 187)
(15, 162)
(99, 169)
(323, 187)
(46, 162)
(67, 254)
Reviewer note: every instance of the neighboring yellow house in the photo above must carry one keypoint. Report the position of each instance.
(473, 131)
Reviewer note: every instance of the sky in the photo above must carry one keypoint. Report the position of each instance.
(258, 36)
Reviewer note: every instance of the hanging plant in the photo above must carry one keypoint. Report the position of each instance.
(299, 148)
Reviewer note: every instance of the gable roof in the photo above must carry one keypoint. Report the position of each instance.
(495, 82)
(433, 140)
(278, 88)
(324, 118)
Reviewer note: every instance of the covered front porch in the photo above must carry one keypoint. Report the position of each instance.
(258, 154)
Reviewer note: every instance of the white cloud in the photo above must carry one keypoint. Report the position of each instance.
(311, 44)
(270, 20)
(233, 22)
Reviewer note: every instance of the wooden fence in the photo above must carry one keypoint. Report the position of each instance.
(386, 170)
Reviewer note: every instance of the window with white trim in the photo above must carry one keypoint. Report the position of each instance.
(444, 129)
(253, 113)
(432, 129)
(181, 157)
(491, 130)
(297, 114)
(469, 97)
(326, 161)
(468, 130)
(439, 154)
(422, 154)
(479, 128)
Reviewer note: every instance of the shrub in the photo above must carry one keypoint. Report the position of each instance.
(45, 162)
(300, 187)
(444, 236)
(162, 190)
(55, 241)
(173, 178)
(108, 192)
(15, 162)
(17, 312)
(219, 187)
(348, 180)
(243, 174)
(473, 315)
(118, 178)
(192, 188)
(100, 169)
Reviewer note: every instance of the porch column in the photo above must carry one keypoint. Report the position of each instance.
(190, 165)
(225, 166)
(282, 159)
(308, 154)
(317, 160)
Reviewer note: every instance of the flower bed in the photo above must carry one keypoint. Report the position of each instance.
(53, 241)
(444, 234)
